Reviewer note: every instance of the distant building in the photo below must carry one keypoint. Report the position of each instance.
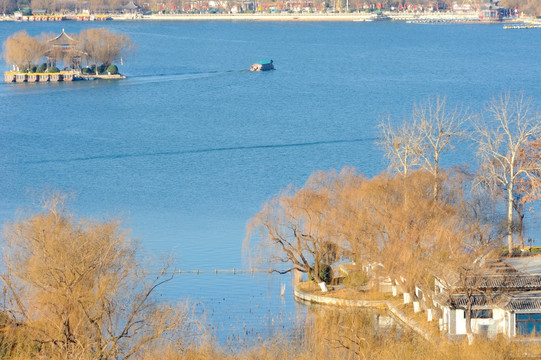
(131, 8)
(492, 12)
(64, 47)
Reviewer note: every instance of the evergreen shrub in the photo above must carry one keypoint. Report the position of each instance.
(325, 273)
(112, 69)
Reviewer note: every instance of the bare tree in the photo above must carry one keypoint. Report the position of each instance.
(351, 217)
(529, 184)
(23, 50)
(510, 123)
(77, 291)
(104, 47)
(401, 145)
(296, 229)
(438, 127)
(7, 6)
(412, 230)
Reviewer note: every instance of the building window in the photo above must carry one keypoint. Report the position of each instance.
(480, 314)
(528, 324)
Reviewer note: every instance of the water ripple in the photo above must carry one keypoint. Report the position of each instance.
(193, 151)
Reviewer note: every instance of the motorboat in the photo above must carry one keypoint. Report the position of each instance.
(263, 65)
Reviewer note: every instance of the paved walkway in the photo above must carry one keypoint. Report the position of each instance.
(378, 304)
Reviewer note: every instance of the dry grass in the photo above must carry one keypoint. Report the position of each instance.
(334, 334)
(348, 334)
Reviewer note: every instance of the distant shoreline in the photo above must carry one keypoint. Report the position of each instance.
(424, 17)
(469, 17)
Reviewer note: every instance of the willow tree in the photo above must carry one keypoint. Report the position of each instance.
(23, 50)
(75, 289)
(511, 122)
(413, 232)
(103, 47)
(296, 230)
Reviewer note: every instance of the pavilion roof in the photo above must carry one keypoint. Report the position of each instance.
(62, 39)
(130, 6)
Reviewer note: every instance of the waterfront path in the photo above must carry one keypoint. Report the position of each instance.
(374, 304)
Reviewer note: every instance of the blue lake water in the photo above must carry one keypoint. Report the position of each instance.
(189, 147)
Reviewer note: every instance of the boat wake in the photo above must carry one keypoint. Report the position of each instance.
(159, 78)
(196, 151)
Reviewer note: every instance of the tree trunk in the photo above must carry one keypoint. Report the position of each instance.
(436, 175)
(520, 225)
(469, 333)
(510, 219)
(317, 278)
(323, 286)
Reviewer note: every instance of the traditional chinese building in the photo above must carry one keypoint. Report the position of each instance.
(64, 48)
(504, 299)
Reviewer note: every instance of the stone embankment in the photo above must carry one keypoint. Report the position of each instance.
(414, 17)
(374, 304)
(466, 16)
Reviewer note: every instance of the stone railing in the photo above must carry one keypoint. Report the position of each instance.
(374, 304)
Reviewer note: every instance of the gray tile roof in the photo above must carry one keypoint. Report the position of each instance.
(526, 301)
(62, 39)
(512, 274)
(460, 301)
(530, 265)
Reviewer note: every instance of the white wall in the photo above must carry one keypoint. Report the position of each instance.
(495, 325)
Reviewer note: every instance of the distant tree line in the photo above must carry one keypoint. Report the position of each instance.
(531, 7)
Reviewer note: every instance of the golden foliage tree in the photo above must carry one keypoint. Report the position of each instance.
(103, 46)
(393, 220)
(413, 231)
(23, 50)
(298, 228)
(76, 290)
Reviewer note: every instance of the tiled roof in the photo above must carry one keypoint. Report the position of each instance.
(529, 265)
(460, 301)
(498, 275)
(62, 39)
(500, 282)
(511, 285)
(521, 301)
(524, 301)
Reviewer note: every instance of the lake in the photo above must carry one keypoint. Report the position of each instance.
(192, 144)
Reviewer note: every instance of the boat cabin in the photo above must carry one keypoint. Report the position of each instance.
(263, 65)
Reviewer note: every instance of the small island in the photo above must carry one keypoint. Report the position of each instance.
(91, 46)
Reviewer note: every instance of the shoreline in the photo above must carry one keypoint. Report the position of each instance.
(397, 314)
(428, 17)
